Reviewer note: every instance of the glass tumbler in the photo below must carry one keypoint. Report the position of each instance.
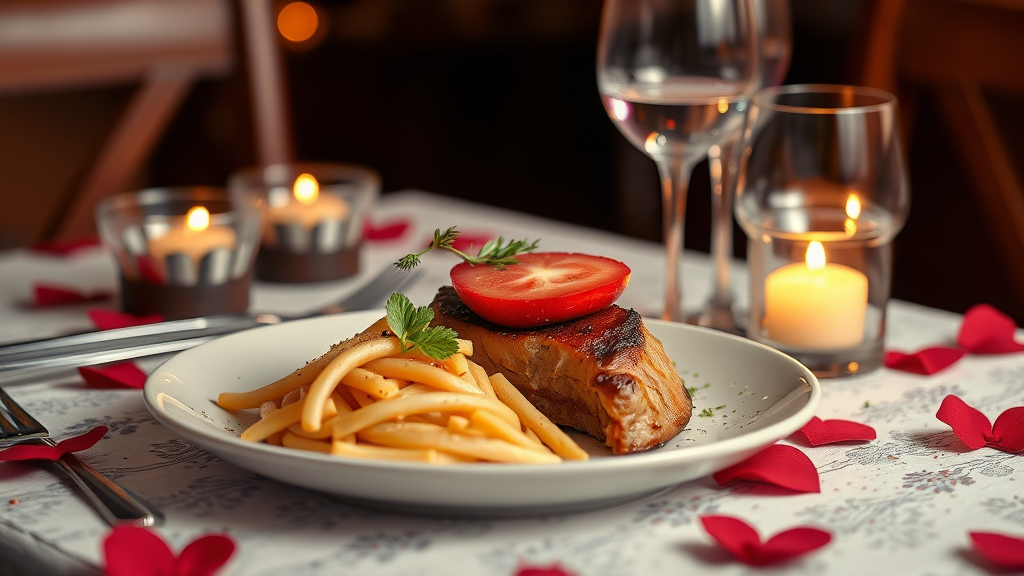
(182, 252)
(822, 191)
(313, 216)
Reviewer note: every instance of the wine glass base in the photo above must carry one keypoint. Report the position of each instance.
(718, 317)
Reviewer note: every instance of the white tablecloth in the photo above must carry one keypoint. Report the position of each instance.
(902, 504)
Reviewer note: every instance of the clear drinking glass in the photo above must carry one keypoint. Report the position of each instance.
(674, 76)
(822, 191)
(774, 32)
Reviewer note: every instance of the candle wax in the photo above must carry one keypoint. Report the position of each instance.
(816, 308)
(326, 207)
(194, 243)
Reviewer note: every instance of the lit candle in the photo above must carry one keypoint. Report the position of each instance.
(815, 304)
(309, 207)
(195, 239)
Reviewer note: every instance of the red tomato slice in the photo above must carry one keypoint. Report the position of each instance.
(544, 288)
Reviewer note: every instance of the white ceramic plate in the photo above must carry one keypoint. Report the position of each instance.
(757, 396)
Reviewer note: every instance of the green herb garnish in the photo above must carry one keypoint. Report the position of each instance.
(494, 252)
(411, 325)
(706, 413)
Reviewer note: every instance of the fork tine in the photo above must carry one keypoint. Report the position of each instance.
(389, 280)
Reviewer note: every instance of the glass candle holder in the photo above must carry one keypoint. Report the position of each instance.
(821, 193)
(313, 216)
(182, 252)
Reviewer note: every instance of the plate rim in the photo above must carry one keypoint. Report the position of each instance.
(652, 458)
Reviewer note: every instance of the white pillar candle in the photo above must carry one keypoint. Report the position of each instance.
(194, 237)
(816, 305)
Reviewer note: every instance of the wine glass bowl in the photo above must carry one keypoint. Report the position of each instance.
(674, 77)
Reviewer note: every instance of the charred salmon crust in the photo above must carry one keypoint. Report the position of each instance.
(604, 373)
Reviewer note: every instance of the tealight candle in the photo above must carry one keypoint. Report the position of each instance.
(815, 304)
(195, 239)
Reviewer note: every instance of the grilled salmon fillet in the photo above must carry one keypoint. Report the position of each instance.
(603, 374)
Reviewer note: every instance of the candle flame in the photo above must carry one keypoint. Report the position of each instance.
(306, 189)
(853, 207)
(723, 105)
(815, 256)
(198, 219)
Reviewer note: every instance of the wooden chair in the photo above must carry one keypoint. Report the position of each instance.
(163, 46)
(958, 49)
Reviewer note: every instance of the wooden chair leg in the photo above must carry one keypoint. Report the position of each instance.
(989, 165)
(131, 142)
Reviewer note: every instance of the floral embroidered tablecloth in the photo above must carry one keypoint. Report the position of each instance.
(901, 504)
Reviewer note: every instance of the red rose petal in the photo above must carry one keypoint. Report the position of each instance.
(43, 452)
(64, 248)
(135, 551)
(986, 330)
(148, 270)
(50, 295)
(112, 319)
(1008, 431)
(969, 424)
(781, 465)
(819, 432)
(740, 539)
(553, 570)
(1006, 551)
(205, 555)
(926, 361)
(123, 375)
(387, 231)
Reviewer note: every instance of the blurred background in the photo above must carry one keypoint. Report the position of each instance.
(495, 101)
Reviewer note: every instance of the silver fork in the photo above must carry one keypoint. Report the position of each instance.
(39, 358)
(115, 504)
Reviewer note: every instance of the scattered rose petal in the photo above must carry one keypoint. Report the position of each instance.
(387, 231)
(148, 270)
(740, 539)
(44, 295)
(819, 431)
(64, 248)
(123, 375)
(781, 465)
(1006, 551)
(472, 242)
(925, 362)
(111, 319)
(986, 330)
(553, 570)
(976, 431)
(136, 551)
(43, 452)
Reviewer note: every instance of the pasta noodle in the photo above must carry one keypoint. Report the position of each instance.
(367, 398)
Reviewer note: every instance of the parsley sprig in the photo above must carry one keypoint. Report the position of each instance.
(411, 325)
(494, 252)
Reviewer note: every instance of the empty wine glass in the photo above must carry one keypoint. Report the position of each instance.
(773, 25)
(674, 76)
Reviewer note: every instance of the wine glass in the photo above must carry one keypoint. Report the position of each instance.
(773, 26)
(674, 76)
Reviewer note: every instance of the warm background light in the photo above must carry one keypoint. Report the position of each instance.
(198, 219)
(297, 22)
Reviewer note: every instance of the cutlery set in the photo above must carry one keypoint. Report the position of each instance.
(24, 361)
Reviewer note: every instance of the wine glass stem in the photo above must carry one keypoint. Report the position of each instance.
(675, 179)
(723, 178)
